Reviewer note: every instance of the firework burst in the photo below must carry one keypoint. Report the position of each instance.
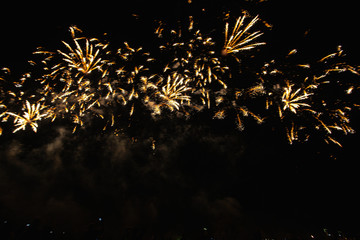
(11, 95)
(174, 92)
(293, 100)
(32, 113)
(298, 94)
(171, 92)
(240, 39)
(187, 73)
(84, 59)
(193, 57)
(73, 80)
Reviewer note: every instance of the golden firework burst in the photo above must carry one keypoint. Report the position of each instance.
(240, 39)
(292, 99)
(32, 113)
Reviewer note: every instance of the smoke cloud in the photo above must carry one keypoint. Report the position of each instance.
(169, 183)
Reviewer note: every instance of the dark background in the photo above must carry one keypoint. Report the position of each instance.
(203, 173)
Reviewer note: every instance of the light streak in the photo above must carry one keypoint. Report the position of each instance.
(32, 114)
(189, 72)
(240, 39)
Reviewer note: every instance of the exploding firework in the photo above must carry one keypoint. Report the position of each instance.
(173, 92)
(298, 94)
(240, 39)
(32, 113)
(11, 95)
(193, 57)
(87, 79)
(73, 80)
(82, 59)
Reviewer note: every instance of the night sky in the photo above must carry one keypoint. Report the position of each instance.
(203, 173)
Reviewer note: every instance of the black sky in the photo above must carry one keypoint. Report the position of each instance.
(202, 173)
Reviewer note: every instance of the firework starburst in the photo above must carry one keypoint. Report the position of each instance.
(32, 113)
(240, 39)
(86, 78)
(292, 99)
(298, 93)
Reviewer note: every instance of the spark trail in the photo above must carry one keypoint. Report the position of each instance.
(88, 78)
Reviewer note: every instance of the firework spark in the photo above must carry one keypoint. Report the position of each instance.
(186, 74)
(32, 113)
(291, 99)
(297, 92)
(193, 56)
(174, 92)
(240, 39)
(83, 59)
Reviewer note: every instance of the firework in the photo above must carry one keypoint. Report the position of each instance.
(84, 59)
(32, 113)
(240, 39)
(11, 95)
(292, 99)
(298, 93)
(131, 82)
(74, 80)
(87, 79)
(174, 92)
(194, 58)
(171, 92)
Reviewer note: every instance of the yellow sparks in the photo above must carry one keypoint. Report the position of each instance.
(84, 59)
(153, 145)
(292, 52)
(239, 122)
(333, 140)
(291, 99)
(220, 114)
(240, 39)
(174, 92)
(131, 110)
(84, 80)
(30, 116)
(291, 134)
